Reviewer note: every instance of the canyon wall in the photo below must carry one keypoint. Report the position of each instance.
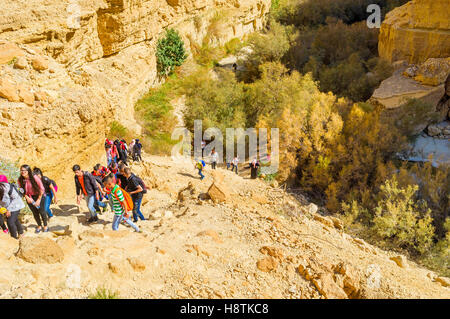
(68, 68)
(416, 31)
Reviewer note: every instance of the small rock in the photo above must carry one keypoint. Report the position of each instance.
(39, 63)
(21, 63)
(136, 264)
(312, 208)
(444, 281)
(267, 264)
(400, 260)
(8, 91)
(211, 233)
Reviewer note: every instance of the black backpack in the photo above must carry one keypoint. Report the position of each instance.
(13, 186)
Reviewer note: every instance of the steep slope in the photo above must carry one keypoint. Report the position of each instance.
(96, 59)
(259, 243)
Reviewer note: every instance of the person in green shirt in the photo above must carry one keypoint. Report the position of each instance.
(118, 204)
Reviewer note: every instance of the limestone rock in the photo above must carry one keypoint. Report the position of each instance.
(218, 193)
(267, 264)
(136, 264)
(273, 252)
(312, 208)
(39, 63)
(25, 95)
(444, 281)
(9, 51)
(328, 287)
(8, 91)
(324, 220)
(21, 63)
(416, 31)
(400, 260)
(40, 250)
(211, 233)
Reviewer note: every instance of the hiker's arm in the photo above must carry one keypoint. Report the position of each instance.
(37, 203)
(138, 190)
(52, 189)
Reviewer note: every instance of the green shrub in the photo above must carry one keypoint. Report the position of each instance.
(400, 219)
(155, 115)
(117, 130)
(104, 293)
(170, 52)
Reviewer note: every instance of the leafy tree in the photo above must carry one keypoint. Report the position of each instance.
(401, 219)
(170, 52)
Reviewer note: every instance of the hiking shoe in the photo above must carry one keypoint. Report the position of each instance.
(89, 220)
(104, 209)
(95, 219)
(37, 231)
(6, 231)
(46, 230)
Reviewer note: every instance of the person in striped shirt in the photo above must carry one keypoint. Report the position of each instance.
(118, 204)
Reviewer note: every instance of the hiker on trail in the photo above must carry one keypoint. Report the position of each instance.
(34, 195)
(137, 148)
(136, 188)
(203, 146)
(234, 164)
(214, 158)
(121, 155)
(86, 187)
(131, 148)
(109, 154)
(200, 165)
(228, 160)
(50, 190)
(11, 203)
(121, 179)
(122, 203)
(98, 173)
(113, 168)
(254, 165)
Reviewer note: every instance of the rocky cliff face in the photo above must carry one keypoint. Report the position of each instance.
(68, 68)
(417, 31)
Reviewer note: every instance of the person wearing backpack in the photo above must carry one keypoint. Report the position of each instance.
(136, 188)
(137, 148)
(122, 203)
(86, 188)
(11, 203)
(50, 190)
(200, 165)
(34, 195)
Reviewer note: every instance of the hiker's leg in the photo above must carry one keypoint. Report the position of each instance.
(116, 222)
(137, 209)
(90, 201)
(48, 201)
(129, 222)
(42, 211)
(2, 223)
(36, 214)
(14, 225)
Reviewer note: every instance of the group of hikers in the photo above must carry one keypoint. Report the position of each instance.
(32, 187)
(232, 163)
(113, 185)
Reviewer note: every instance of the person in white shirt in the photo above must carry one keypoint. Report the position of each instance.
(214, 158)
(234, 164)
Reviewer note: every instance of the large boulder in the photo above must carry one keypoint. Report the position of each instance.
(40, 250)
(218, 193)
